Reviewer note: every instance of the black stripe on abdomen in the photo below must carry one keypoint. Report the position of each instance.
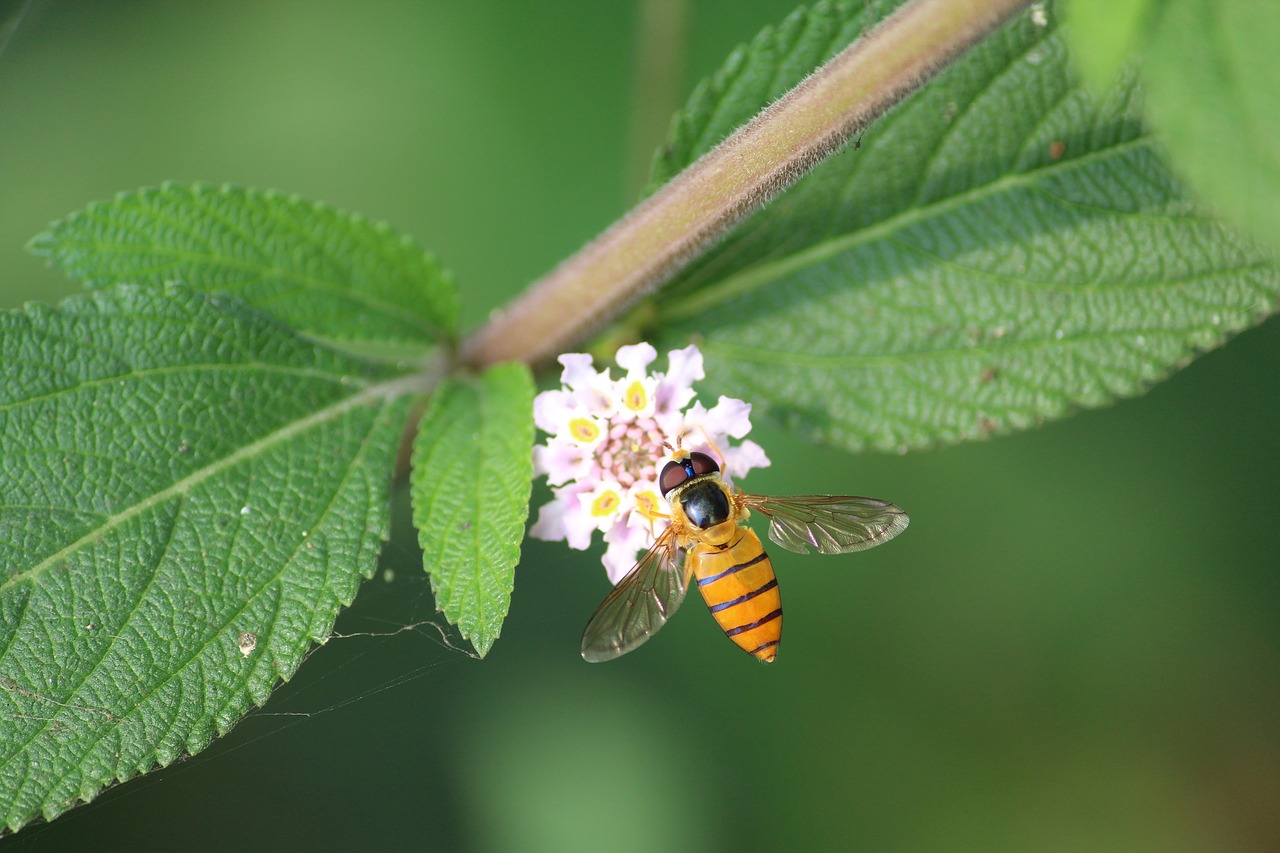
(724, 605)
(732, 632)
(761, 556)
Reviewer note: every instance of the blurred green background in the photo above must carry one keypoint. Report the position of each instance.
(1074, 647)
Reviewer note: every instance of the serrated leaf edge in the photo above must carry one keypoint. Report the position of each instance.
(509, 550)
(41, 246)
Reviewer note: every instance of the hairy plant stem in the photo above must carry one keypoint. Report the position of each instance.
(765, 156)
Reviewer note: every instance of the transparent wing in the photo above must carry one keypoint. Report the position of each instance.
(640, 604)
(829, 524)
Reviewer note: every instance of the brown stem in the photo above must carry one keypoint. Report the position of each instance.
(768, 154)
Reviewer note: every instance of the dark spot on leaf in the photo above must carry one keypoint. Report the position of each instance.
(1056, 149)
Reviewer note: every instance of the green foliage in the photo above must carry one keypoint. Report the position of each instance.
(181, 474)
(1002, 248)
(471, 479)
(192, 485)
(1209, 69)
(325, 272)
(1103, 35)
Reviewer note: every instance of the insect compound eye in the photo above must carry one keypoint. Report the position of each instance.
(703, 464)
(673, 474)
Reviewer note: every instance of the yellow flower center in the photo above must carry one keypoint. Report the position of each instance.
(584, 430)
(636, 397)
(606, 504)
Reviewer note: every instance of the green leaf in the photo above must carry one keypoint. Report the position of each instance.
(331, 274)
(1002, 248)
(471, 480)
(1211, 71)
(1211, 75)
(189, 492)
(1104, 36)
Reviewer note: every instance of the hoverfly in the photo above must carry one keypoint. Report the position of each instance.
(708, 540)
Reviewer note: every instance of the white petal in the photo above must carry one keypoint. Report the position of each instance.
(728, 417)
(675, 390)
(685, 365)
(561, 461)
(564, 518)
(618, 560)
(550, 524)
(579, 370)
(744, 457)
(591, 390)
(579, 524)
(635, 359)
(625, 547)
(687, 428)
(552, 411)
(670, 423)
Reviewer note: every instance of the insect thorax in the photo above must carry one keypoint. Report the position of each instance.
(705, 502)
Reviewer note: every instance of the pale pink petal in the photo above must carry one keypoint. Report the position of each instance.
(684, 366)
(675, 389)
(552, 411)
(687, 428)
(565, 519)
(728, 417)
(579, 524)
(550, 524)
(579, 370)
(635, 359)
(561, 461)
(592, 390)
(672, 424)
(618, 560)
(742, 458)
(625, 547)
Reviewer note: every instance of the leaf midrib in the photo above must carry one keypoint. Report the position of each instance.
(218, 631)
(188, 369)
(382, 390)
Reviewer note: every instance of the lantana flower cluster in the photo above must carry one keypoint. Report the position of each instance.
(606, 447)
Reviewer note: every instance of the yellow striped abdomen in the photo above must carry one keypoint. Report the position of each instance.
(741, 591)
